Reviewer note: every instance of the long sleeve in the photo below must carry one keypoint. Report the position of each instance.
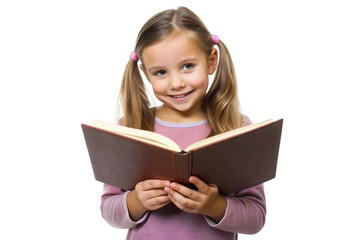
(245, 212)
(114, 209)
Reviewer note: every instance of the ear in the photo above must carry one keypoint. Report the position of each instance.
(213, 60)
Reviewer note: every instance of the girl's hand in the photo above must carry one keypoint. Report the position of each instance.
(206, 200)
(147, 195)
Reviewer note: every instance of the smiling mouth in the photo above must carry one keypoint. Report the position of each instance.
(182, 95)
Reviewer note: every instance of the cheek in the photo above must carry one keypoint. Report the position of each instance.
(200, 80)
(159, 87)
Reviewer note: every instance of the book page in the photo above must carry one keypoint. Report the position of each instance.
(226, 135)
(148, 137)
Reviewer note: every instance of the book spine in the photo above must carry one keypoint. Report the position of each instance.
(174, 158)
(183, 168)
(192, 186)
(190, 163)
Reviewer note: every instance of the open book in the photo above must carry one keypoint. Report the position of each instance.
(234, 160)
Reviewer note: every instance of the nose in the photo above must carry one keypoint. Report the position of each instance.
(177, 81)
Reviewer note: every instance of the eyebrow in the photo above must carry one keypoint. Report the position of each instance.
(191, 59)
(155, 68)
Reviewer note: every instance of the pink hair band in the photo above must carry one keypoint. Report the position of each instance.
(134, 56)
(215, 39)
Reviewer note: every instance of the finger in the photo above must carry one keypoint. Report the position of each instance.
(150, 194)
(149, 197)
(158, 202)
(184, 191)
(201, 186)
(154, 202)
(180, 205)
(180, 200)
(153, 184)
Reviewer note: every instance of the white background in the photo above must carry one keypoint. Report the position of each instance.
(61, 63)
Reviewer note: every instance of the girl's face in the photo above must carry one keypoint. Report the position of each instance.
(178, 72)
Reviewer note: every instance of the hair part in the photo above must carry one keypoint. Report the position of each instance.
(220, 104)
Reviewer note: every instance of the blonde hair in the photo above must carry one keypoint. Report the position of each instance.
(220, 104)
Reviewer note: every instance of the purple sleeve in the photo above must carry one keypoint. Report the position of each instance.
(114, 209)
(245, 212)
(247, 120)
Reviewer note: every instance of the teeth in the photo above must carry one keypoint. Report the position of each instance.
(180, 96)
(183, 95)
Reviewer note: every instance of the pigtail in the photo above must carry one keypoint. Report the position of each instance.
(133, 100)
(221, 103)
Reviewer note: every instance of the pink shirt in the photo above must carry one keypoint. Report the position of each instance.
(245, 212)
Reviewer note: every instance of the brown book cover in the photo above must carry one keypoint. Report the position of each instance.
(233, 163)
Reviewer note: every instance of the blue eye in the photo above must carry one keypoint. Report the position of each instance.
(188, 66)
(160, 73)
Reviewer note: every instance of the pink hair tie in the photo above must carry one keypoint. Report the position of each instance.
(215, 39)
(134, 56)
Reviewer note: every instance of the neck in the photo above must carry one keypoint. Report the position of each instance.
(170, 115)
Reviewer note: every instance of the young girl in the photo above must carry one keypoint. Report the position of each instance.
(177, 56)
